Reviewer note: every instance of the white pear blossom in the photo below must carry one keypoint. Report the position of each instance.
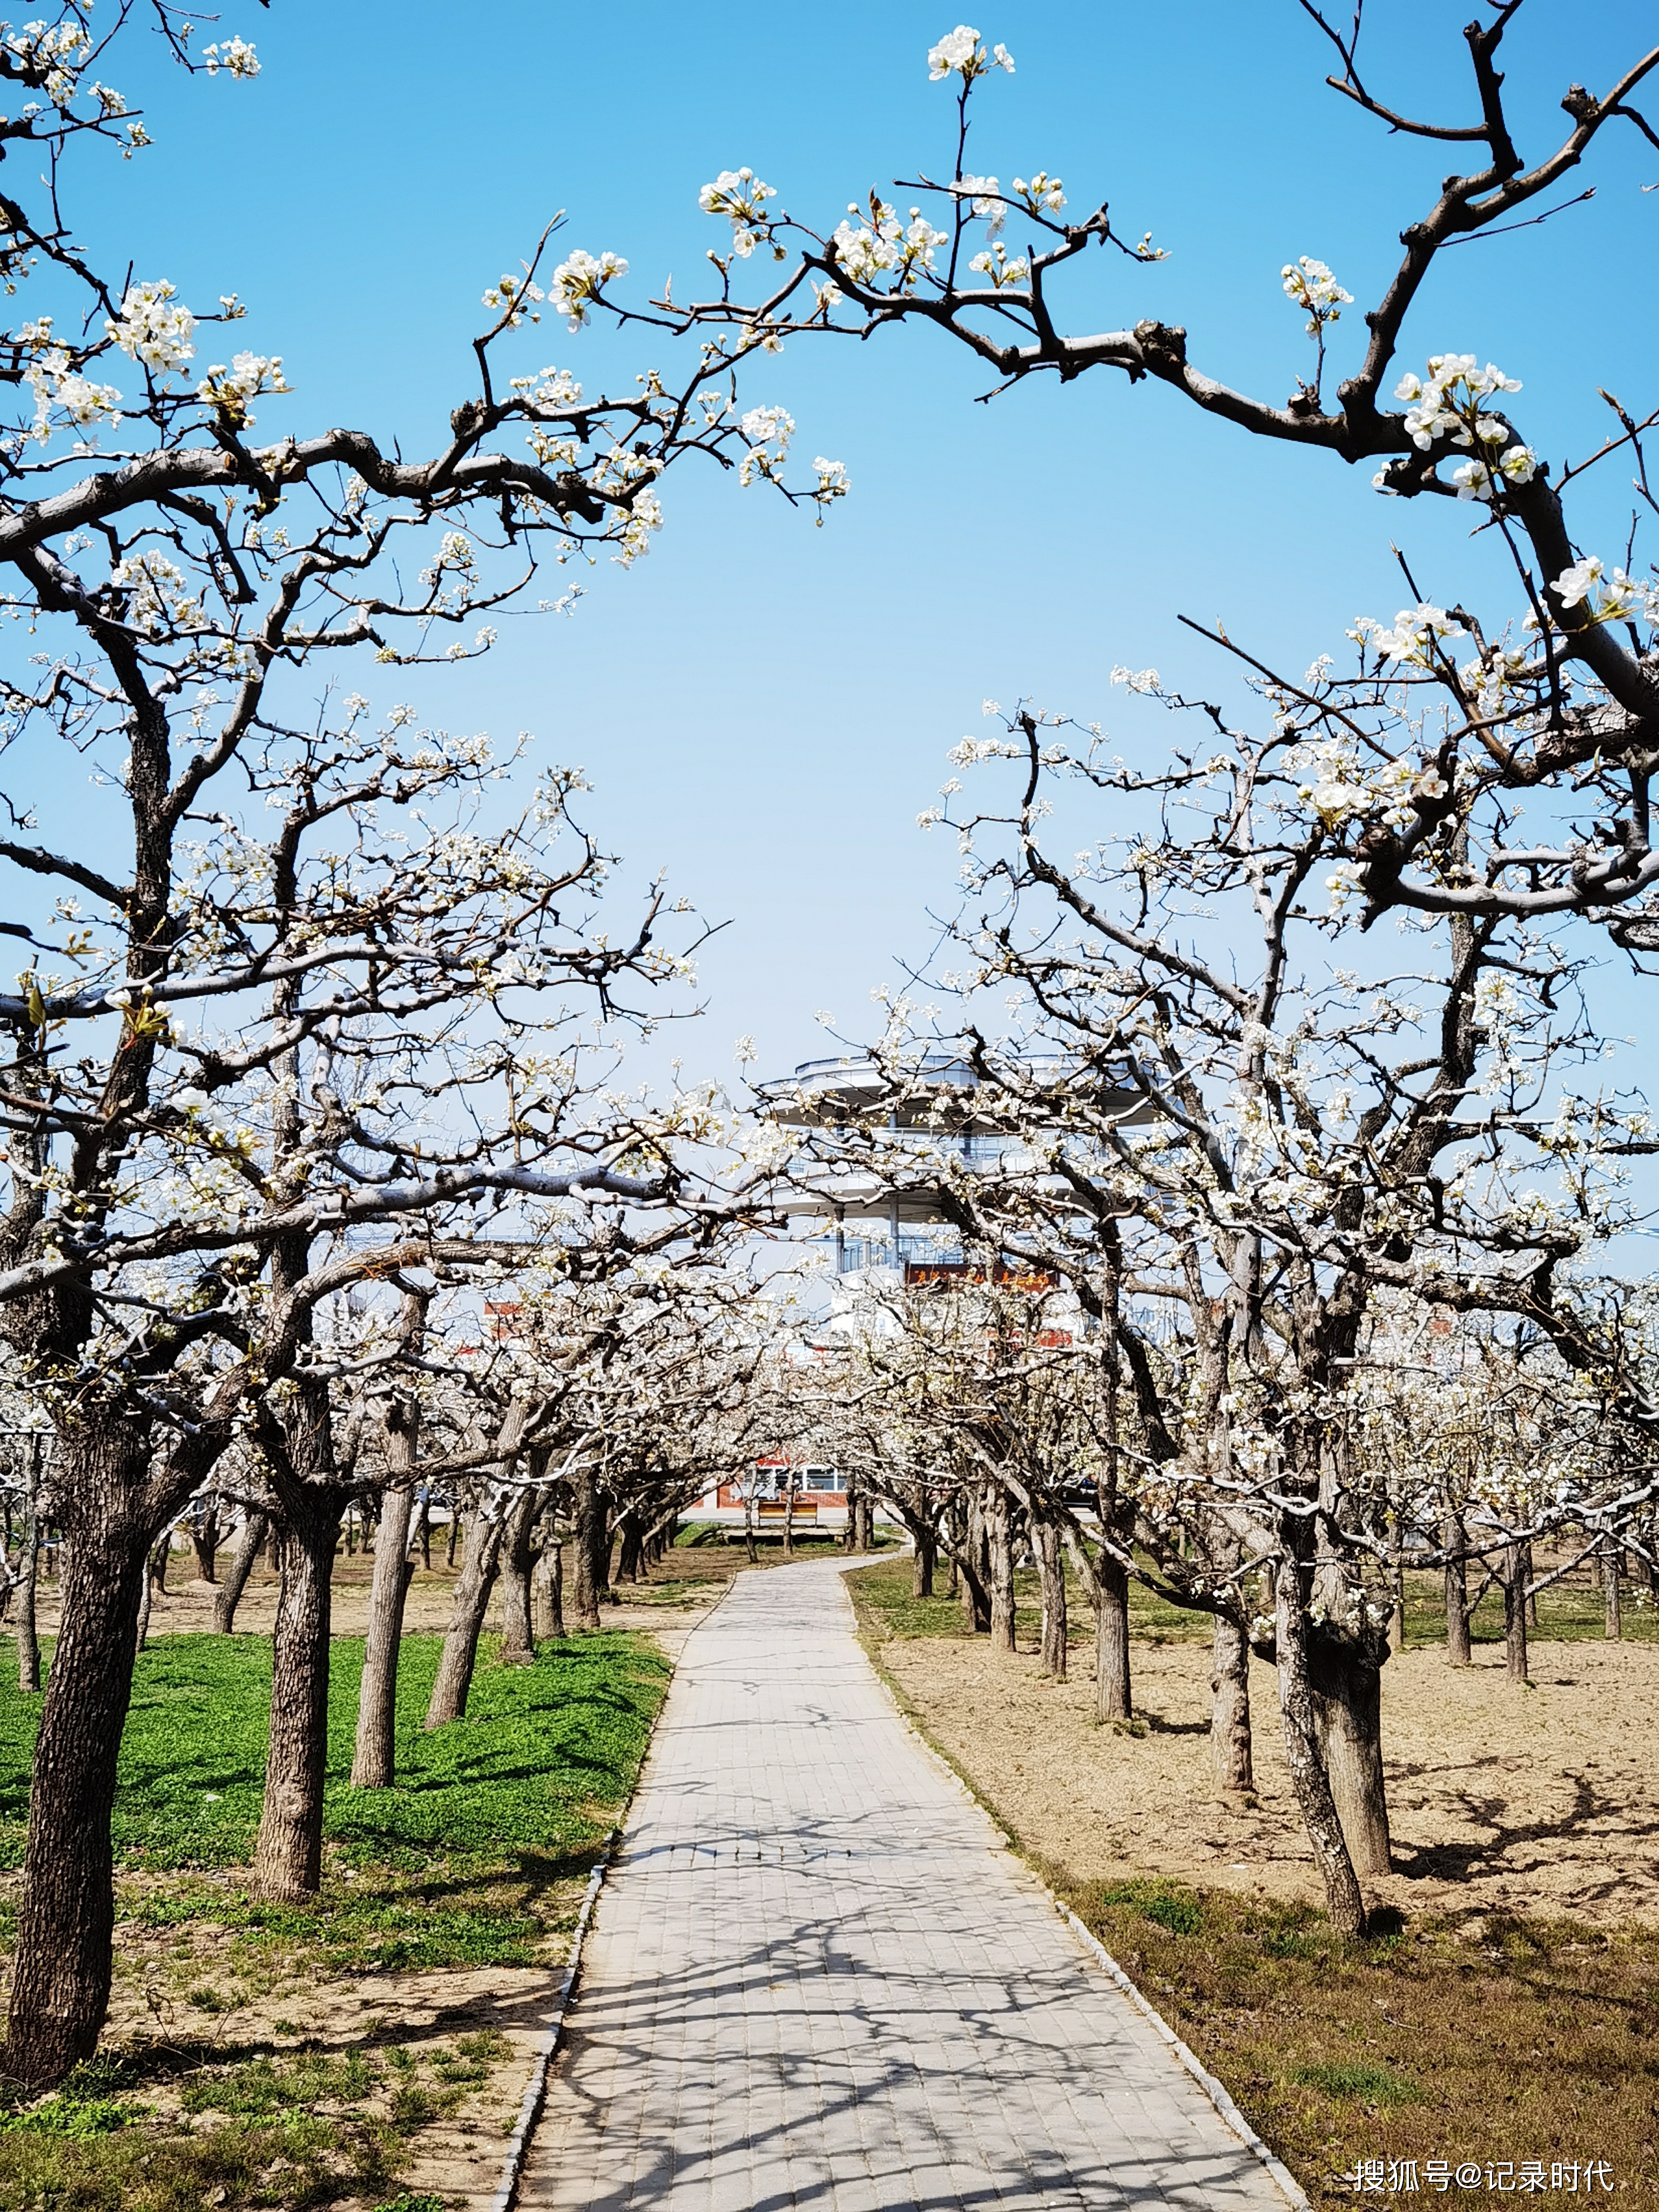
(960, 53)
(1415, 631)
(984, 192)
(1573, 585)
(1311, 286)
(249, 374)
(740, 194)
(579, 280)
(235, 55)
(769, 430)
(1002, 268)
(1040, 192)
(153, 329)
(57, 385)
(868, 250)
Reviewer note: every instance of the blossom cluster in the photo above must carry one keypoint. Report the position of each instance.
(579, 280)
(230, 390)
(154, 328)
(739, 195)
(886, 244)
(1310, 285)
(960, 53)
(1003, 269)
(234, 56)
(1337, 788)
(768, 430)
(1617, 596)
(1448, 405)
(1416, 632)
(57, 384)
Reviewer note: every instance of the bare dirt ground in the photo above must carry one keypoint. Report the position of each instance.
(1543, 1800)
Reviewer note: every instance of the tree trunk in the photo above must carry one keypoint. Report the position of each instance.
(1515, 1610)
(229, 1595)
(630, 1556)
(849, 1535)
(1000, 1551)
(142, 1635)
(1051, 1566)
(1344, 1903)
(747, 1530)
(789, 1515)
(1613, 1623)
(288, 1857)
(1114, 1699)
(1459, 1649)
(1230, 1711)
(454, 1530)
(592, 1550)
(548, 1588)
(375, 1762)
(976, 1594)
(61, 1968)
(866, 1519)
(158, 1560)
(518, 1560)
(424, 1523)
(470, 1603)
(28, 1641)
(923, 1561)
(204, 1540)
(1348, 1713)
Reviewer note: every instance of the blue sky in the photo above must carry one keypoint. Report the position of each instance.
(763, 706)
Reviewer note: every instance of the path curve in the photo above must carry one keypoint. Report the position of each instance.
(817, 1979)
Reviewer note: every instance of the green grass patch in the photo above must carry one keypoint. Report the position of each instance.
(1365, 2085)
(544, 1754)
(475, 1859)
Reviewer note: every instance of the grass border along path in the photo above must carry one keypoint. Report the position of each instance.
(206, 2094)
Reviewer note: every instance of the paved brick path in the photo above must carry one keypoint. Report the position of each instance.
(816, 1980)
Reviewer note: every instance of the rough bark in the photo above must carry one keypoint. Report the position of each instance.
(1613, 1621)
(1343, 1900)
(467, 1610)
(62, 1964)
(228, 1595)
(1109, 1603)
(1348, 1713)
(1459, 1649)
(518, 1561)
(1230, 1763)
(630, 1555)
(374, 1760)
(548, 1588)
(924, 1560)
(1514, 1579)
(288, 1857)
(141, 1637)
(1051, 1567)
(849, 1535)
(592, 1548)
(976, 1590)
(1000, 1552)
(205, 1539)
(28, 1641)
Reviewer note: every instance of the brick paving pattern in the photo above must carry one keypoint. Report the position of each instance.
(817, 1979)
